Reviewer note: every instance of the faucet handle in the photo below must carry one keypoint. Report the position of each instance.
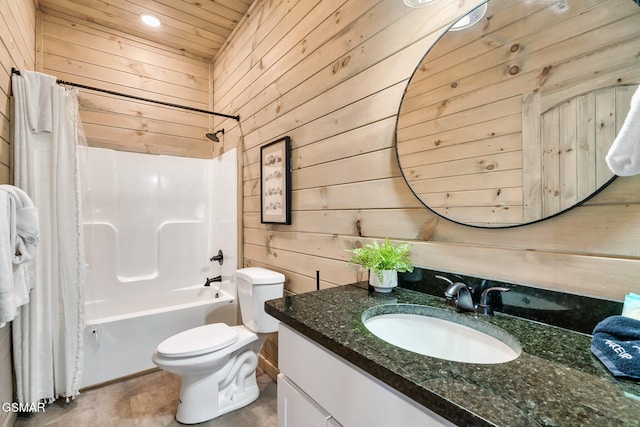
(219, 257)
(484, 307)
(451, 292)
(446, 279)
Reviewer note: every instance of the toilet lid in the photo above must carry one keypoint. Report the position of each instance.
(197, 341)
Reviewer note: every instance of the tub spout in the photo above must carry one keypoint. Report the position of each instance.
(213, 279)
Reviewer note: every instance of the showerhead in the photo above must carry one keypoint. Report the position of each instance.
(214, 135)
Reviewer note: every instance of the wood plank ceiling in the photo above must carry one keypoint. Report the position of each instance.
(197, 27)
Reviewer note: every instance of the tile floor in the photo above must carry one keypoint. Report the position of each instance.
(149, 400)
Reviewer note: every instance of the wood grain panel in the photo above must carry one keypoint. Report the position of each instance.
(336, 68)
(277, 22)
(61, 28)
(349, 118)
(198, 28)
(602, 276)
(104, 58)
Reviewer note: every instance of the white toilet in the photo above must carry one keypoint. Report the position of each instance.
(217, 362)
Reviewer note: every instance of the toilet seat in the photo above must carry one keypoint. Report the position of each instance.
(197, 341)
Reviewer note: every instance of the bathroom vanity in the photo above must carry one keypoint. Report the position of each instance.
(309, 374)
(334, 369)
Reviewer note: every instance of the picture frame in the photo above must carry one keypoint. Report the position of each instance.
(275, 182)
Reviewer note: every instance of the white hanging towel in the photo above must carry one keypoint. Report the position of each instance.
(623, 157)
(18, 240)
(38, 90)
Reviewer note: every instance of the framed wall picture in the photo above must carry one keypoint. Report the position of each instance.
(275, 182)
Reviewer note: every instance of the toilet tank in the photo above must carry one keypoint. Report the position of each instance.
(255, 286)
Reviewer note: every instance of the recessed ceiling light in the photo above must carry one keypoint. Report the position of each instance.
(150, 20)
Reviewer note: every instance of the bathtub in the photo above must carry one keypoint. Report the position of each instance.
(119, 338)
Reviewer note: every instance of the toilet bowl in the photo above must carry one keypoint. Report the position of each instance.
(217, 362)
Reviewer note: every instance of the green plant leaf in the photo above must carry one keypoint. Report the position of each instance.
(387, 256)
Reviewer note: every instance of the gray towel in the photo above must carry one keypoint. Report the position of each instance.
(616, 342)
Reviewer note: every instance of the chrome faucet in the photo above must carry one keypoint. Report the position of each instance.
(459, 296)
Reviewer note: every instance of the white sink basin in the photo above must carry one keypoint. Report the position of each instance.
(425, 330)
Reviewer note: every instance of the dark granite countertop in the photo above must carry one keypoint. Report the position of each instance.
(555, 382)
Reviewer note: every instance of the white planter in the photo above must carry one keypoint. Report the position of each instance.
(389, 281)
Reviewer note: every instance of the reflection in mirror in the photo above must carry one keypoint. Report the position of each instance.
(470, 19)
(419, 3)
(508, 121)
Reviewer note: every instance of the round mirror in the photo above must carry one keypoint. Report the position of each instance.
(508, 118)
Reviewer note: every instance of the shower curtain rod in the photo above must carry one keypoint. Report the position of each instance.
(139, 98)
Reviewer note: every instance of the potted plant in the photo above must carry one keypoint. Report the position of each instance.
(384, 261)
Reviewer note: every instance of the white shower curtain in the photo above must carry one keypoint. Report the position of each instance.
(47, 333)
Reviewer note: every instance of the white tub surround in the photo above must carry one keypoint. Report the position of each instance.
(152, 224)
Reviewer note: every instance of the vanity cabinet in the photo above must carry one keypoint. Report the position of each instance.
(316, 387)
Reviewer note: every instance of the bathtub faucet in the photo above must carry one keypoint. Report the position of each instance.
(213, 279)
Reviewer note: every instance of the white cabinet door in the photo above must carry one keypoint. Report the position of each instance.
(296, 409)
(340, 388)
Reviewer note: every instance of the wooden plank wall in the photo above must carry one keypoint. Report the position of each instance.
(17, 49)
(90, 54)
(331, 74)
